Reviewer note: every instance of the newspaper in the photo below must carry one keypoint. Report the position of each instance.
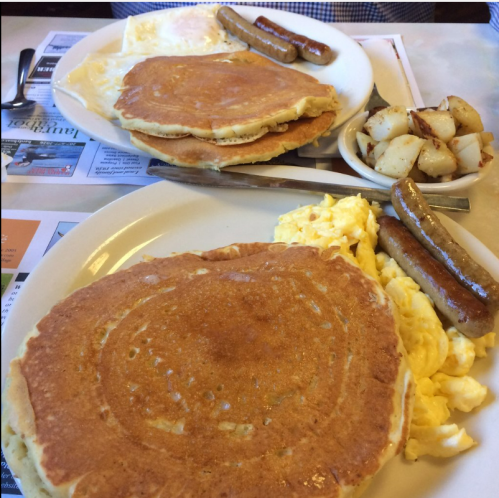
(26, 237)
(45, 148)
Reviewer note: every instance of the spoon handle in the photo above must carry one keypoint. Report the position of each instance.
(22, 71)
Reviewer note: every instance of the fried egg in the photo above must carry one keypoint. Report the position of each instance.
(96, 82)
(183, 31)
(440, 359)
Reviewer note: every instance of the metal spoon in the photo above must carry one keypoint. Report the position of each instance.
(20, 101)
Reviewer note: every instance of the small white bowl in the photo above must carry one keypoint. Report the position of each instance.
(347, 144)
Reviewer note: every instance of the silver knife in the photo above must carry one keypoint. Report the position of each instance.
(230, 179)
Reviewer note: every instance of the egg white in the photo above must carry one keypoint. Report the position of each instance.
(182, 31)
(97, 81)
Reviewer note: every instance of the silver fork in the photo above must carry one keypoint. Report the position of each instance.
(376, 100)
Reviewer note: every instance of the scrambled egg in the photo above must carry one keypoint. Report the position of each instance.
(440, 359)
(344, 223)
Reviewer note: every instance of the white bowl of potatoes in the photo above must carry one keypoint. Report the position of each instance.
(442, 148)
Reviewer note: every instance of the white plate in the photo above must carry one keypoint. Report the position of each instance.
(347, 143)
(350, 72)
(166, 217)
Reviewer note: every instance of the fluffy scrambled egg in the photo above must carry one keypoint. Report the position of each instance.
(440, 359)
(345, 223)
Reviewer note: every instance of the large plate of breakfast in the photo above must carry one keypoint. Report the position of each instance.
(212, 86)
(256, 344)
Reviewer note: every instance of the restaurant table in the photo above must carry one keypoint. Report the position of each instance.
(447, 59)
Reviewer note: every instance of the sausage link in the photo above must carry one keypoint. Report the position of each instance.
(460, 307)
(264, 42)
(308, 49)
(424, 224)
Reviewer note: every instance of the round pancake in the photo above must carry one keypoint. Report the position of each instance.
(218, 95)
(192, 152)
(280, 128)
(250, 370)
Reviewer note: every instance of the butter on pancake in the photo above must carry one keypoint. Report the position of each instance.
(217, 95)
(251, 370)
(190, 151)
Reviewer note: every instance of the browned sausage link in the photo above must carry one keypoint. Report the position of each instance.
(424, 224)
(464, 311)
(308, 49)
(264, 42)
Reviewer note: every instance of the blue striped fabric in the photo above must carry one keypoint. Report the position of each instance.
(323, 11)
(494, 14)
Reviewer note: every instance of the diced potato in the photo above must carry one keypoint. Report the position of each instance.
(434, 124)
(443, 106)
(400, 156)
(380, 148)
(469, 157)
(445, 178)
(376, 109)
(366, 146)
(411, 123)
(486, 157)
(417, 175)
(459, 143)
(435, 159)
(486, 137)
(388, 123)
(467, 118)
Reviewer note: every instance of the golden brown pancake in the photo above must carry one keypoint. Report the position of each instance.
(218, 95)
(252, 370)
(280, 128)
(189, 151)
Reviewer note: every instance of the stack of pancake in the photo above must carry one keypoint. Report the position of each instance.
(219, 110)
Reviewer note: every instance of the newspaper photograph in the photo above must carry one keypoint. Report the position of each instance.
(41, 158)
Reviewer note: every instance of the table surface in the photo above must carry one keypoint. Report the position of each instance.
(447, 59)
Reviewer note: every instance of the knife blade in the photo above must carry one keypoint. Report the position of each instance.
(230, 179)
